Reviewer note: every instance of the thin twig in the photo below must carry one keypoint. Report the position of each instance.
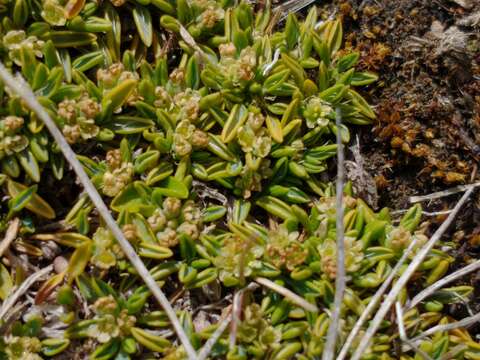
(236, 311)
(188, 38)
(10, 235)
(403, 333)
(12, 315)
(333, 329)
(441, 283)
(287, 293)
(447, 327)
(207, 348)
(454, 352)
(22, 89)
(22, 289)
(402, 281)
(291, 6)
(375, 300)
(443, 193)
(425, 213)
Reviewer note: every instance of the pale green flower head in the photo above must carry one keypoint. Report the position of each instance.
(53, 13)
(15, 40)
(317, 112)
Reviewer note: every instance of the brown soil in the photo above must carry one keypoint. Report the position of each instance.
(427, 54)
(427, 138)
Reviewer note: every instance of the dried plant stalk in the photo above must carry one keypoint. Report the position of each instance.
(340, 280)
(372, 305)
(443, 193)
(236, 311)
(288, 294)
(223, 324)
(10, 235)
(22, 289)
(447, 327)
(403, 333)
(441, 283)
(291, 6)
(402, 281)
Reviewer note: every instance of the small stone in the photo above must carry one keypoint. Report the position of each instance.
(60, 264)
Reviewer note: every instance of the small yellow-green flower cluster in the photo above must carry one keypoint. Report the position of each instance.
(174, 219)
(254, 329)
(284, 248)
(317, 112)
(16, 40)
(353, 256)
(78, 117)
(238, 70)
(109, 321)
(22, 348)
(54, 12)
(11, 140)
(118, 175)
(106, 251)
(237, 259)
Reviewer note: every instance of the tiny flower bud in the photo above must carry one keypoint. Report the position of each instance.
(12, 123)
(199, 138)
(130, 232)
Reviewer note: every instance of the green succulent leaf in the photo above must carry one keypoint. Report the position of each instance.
(6, 283)
(150, 341)
(143, 21)
(36, 204)
(171, 187)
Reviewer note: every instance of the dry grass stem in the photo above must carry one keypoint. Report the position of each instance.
(447, 327)
(223, 324)
(22, 289)
(291, 6)
(443, 193)
(290, 295)
(454, 352)
(425, 213)
(441, 283)
(402, 281)
(237, 305)
(10, 235)
(340, 282)
(403, 333)
(372, 305)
